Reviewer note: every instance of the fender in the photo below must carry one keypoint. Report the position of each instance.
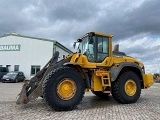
(56, 65)
(87, 80)
(116, 70)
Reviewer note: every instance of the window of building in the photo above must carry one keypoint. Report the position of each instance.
(35, 69)
(9, 67)
(3, 69)
(16, 67)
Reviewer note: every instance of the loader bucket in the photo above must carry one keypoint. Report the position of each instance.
(23, 99)
(33, 89)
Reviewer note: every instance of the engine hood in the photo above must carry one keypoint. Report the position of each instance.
(131, 59)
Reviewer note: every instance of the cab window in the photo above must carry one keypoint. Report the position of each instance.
(102, 52)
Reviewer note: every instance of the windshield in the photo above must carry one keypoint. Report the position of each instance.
(83, 45)
(11, 74)
(86, 47)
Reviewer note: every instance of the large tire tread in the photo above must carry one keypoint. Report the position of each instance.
(48, 80)
(117, 92)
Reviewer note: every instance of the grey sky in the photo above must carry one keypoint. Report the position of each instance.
(134, 24)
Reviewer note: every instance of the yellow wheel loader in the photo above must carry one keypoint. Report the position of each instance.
(94, 67)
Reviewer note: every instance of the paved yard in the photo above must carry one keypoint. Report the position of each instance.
(91, 108)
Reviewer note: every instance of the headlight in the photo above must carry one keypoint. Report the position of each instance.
(4, 76)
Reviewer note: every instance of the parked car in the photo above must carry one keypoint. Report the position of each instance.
(3, 71)
(13, 77)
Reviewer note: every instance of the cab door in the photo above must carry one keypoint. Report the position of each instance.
(102, 48)
(103, 53)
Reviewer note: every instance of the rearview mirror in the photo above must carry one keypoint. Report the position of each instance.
(90, 38)
(90, 41)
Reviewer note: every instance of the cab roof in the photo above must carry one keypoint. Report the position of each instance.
(102, 34)
(96, 33)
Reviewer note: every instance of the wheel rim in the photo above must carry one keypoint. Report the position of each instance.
(130, 87)
(66, 89)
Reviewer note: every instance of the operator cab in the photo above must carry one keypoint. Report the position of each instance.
(95, 46)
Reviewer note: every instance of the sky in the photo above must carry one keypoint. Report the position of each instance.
(134, 24)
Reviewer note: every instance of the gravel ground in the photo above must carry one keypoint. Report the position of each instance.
(91, 108)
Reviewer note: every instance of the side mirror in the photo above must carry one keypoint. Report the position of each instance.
(74, 45)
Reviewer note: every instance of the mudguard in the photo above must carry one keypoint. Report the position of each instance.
(115, 70)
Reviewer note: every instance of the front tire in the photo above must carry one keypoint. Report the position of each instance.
(63, 89)
(127, 88)
(3, 81)
(16, 80)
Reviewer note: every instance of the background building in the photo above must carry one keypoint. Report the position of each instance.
(28, 54)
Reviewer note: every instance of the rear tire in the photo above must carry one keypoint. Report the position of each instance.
(63, 89)
(127, 88)
(23, 80)
(100, 94)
